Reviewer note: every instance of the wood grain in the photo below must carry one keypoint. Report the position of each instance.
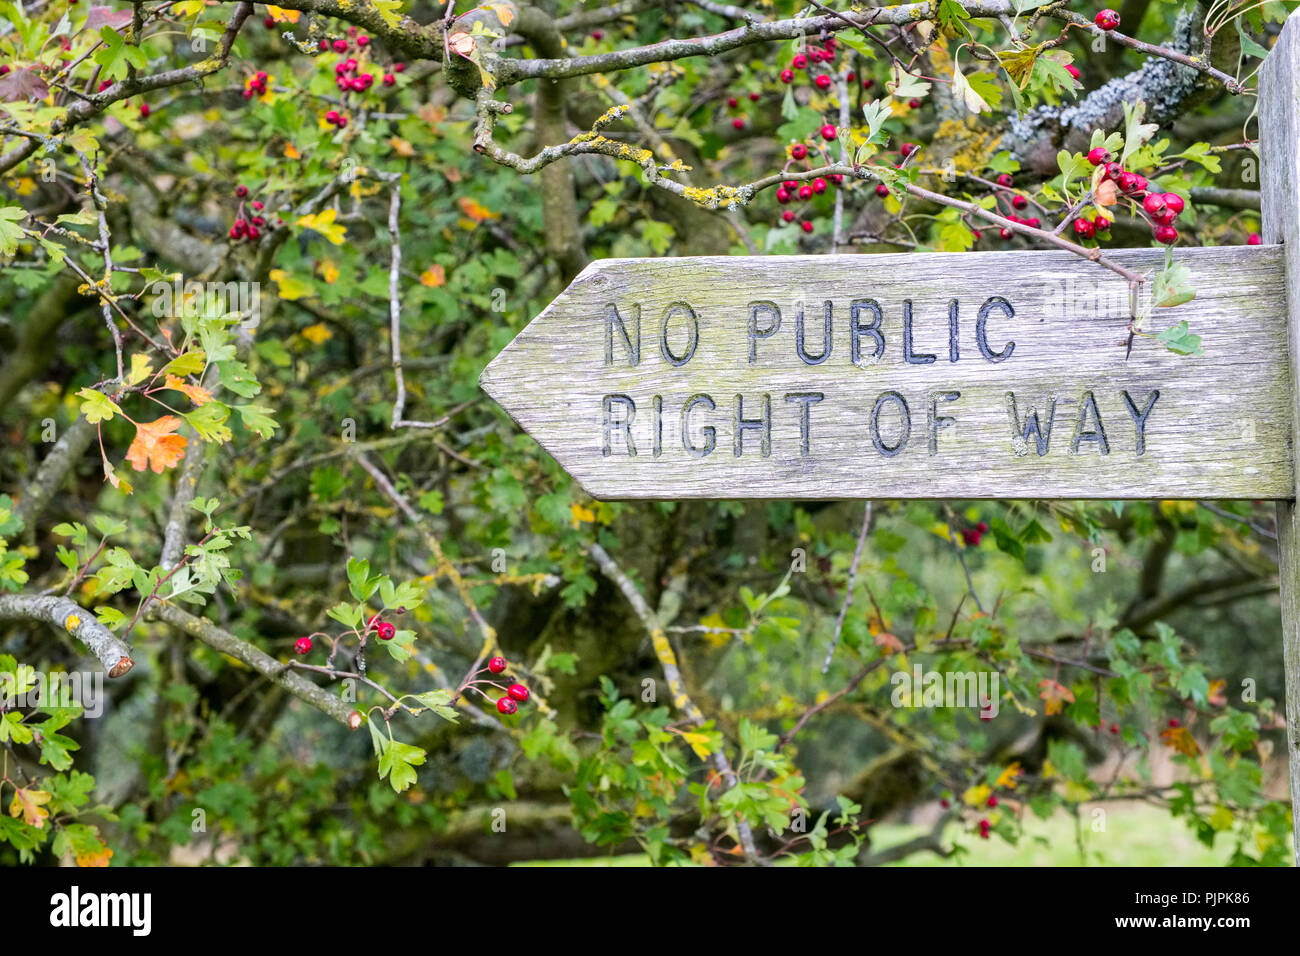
(1220, 426)
(1279, 125)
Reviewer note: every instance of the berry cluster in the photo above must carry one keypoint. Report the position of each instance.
(971, 537)
(1159, 209)
(386, 630)
(256, 86)
(249, 226)
(733, 103)
(792, 190)
(515, 694)
(801, 61)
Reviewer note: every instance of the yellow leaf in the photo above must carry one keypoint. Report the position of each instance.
(1221, 818)
(110, 475)
(581, 515)
(323, 222)
(29, 804)
(401, 147)
(318, 333)
(504, 11)
(1007, 778)
(291, 287)
(329, 271)
(280, 15)
(699, 743)
(140, 369)
(25, 186)
(188, 8)
(977, 796)
(196, 393)
(154, 445)
(434, 276)
(1055, 694)
(290, 152)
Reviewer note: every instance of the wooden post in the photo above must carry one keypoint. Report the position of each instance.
(1279, 135)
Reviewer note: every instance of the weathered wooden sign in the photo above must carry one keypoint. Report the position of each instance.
(980, 375)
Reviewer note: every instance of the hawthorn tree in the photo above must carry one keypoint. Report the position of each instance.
(254, 260)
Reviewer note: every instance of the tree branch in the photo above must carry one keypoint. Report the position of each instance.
(69, 616)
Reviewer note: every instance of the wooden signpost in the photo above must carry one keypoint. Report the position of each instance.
(977, 375)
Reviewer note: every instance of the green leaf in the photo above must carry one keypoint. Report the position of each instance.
(1178, 338)
(97, 407)
(209, 422)
(10, 233)
(360, 582)
(257, 419)
(398, 762)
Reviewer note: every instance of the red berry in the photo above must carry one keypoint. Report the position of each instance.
(323, 45)
(389, 79)
(386, 630)
(399, 67)
(1101, 224)
(1004, 232)
(851, 77)
(1175, 202)
(372, 623)
(253, 233)
(1099, 156)
(258, 221)
(1154, 203)
(340, 46)
(829, 132)
(788, 216)
(753, 97)
(497, 665)
(984, 829)
(782, 195)
(799, 151)
(363, 40)
(597, 35)
(269, 23)
(907, 149)
(977, 234)
(343, 122)
(787, 76)
(241, 225)
(1166, 234)
(823, 81)
(837, 178)
(302, 645)
(1254, 239)
(1128, 182)
(1175, 722)
(992, 800)
(236, 233)
(945, 803)
(733, 102)
(1034, 222)
(241, 191)
(799, 62)
(1139, 182)
(352, 31)
(1083, 228)
(982, 527)
(1114, 728)
(738, 123)
(1114, 171)
(806, 226)
(882, 190)
(1072, 70)
(868, 83)
(1165, 217)
(518, 691)
(1020, 202)
(1004, 179)
(144, 110)
(914, 104)
(805, 191)
(819, 185)
(1108, 19)
(332, 117)
(507, 706)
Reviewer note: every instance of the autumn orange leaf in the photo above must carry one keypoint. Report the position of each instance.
(1218, 696)
(1055, 694)
(195, 393)
(155, 446)
(434, 276)
(474, 210)
(887, 640)
(1181, 739)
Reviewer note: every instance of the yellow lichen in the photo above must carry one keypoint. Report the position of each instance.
(72, 623)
